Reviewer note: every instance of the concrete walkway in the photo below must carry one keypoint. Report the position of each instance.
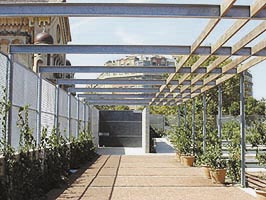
(147, 177)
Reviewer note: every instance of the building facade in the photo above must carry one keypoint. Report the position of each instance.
(39, 31)
(147, 61)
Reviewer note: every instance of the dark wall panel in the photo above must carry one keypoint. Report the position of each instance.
(120, 129)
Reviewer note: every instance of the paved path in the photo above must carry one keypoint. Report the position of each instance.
(147, 177)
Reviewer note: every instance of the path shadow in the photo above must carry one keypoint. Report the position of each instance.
(163, 146)
(56, 192)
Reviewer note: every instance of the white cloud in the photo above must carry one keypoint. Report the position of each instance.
(127, 37)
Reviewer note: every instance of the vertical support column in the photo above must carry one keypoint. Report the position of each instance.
(10, 99)
(39, 110)
(146, 130)
(77, 131)
(178, 117)
(204, 122)
(193, 124)
(94, 116)
(185, 114)
(84, 116)
(69, 114)
(56, 122)
(220, 103)
(242, 129)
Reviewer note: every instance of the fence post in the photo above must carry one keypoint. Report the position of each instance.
(84, 115)
(69, 114)
(242, 128)
(77, 134)
(57, 110)
(39, 109)
(10, 99)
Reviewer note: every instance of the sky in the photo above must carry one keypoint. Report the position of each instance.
(156, 31)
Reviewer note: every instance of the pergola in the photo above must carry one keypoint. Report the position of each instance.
(193, 81)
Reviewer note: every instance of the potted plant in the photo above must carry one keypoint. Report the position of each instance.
(184, 147)
(205, 165)
(217, 164)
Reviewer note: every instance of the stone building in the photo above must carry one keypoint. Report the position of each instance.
(39, 31)
(148, 61)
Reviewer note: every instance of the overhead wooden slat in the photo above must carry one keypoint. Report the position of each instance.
(204, 34)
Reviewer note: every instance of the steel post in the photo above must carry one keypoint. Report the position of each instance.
(242, 129)
(56, 122)
(10, 99)
(193, 124)
(69, 114)
(178, 117)
(78, 105)
(39, 109)
(204, 121)
(219, 119)
(185, 114)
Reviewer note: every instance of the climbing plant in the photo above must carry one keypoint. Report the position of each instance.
(33, 170)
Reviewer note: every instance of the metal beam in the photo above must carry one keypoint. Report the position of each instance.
(110, 82)
(119, 103)
(126, 90)
(120, 100)
(126, 49)
(116, 96)
(127, 10)
(127, 69)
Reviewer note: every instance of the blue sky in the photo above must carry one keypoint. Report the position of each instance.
(154, 31)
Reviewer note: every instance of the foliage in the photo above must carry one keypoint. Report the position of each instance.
(181, 139)
(81, 149)
(55, 160)
(107, 107)
(34, 170)
(231, 133)
(256, 136)
(26, 140)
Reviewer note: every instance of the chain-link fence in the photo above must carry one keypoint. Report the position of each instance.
(58, 109)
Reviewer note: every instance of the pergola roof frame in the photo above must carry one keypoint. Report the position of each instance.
(170, 91)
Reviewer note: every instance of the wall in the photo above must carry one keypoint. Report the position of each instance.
(120, 129)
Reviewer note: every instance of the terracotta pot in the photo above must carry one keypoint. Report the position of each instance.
(261, 193)
(218, 175)
(188, 160)
(206, 171)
